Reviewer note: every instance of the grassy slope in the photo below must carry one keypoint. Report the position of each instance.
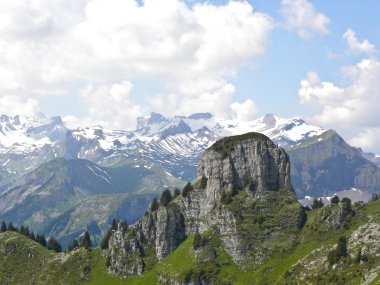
(314, 235)
(22, 260)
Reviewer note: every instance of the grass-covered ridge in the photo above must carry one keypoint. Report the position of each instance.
(23, 260)
(226, 144)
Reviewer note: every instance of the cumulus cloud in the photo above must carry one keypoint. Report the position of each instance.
(61, 46)
(13, 105)
(367, 138)
(352, 105)
(355, 46)
(302, 16)
(109, 106)
(353, 108)
(245, 111)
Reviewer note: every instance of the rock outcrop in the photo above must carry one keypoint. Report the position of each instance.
(243, 194)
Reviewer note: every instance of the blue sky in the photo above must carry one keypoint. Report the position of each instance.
(109, 61)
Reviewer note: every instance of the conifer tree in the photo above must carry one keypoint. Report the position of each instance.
(74, 245)
(154, 205)
(3, 227)
(176, 193)
(53, 244)
(197, 241)
(40, 238)
(166, 197)
(186, 190)
(11, 227)
(114, 224)
(85, 241)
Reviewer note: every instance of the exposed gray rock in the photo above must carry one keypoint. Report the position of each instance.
(250, 165)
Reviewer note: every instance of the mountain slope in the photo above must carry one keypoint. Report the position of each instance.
(175, 144)
(239, 223)
(73, 188)
(326, 164)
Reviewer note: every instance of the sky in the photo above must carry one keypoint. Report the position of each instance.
(106, 62)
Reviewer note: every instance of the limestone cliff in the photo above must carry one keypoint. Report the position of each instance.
(243, 195)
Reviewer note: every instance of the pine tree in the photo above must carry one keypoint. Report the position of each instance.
(11, 227)
(154, 205)
(104, 244)
(123, 225)
(203, 182)
(53, 244)
(40, 238)
(85, 241)
(32, 236)
(186, 190)
(3, 227)
(74, 245)
(166, 197)
(197, 241)
(176, 193)
(341, 249)
(114, 224)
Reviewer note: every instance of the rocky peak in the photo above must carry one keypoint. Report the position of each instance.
(246, 159)
(249, 169)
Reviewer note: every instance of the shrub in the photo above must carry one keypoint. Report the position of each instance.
(334, 200)
(317, 203)
(346, 204)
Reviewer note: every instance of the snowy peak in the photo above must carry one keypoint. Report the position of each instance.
(27, 134)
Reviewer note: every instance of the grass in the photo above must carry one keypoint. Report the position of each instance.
(23, 260)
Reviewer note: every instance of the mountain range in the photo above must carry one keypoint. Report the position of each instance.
(73, 170)
(238, 222)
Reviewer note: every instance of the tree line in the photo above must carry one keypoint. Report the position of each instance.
(51, 243)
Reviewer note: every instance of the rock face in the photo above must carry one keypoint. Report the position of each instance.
(243, 194)
(250, 158)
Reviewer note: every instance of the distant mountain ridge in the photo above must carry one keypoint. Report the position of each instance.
(175, 144)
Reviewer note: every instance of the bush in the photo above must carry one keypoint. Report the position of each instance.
(317, 203)
(197, 241)
(203, 182)
(346, 204)
(334, 200)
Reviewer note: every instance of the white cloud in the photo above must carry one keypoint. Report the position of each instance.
(316, 93)
(109, 106)
(302, 16)
(355, 46)
(13, 105)
(352, 105)
(49, 47)
(351, 109)
(368, 138)
(245, 111)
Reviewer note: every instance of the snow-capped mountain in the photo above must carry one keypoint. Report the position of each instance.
(175, 144)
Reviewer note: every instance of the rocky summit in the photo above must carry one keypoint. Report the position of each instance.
(242, 197)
